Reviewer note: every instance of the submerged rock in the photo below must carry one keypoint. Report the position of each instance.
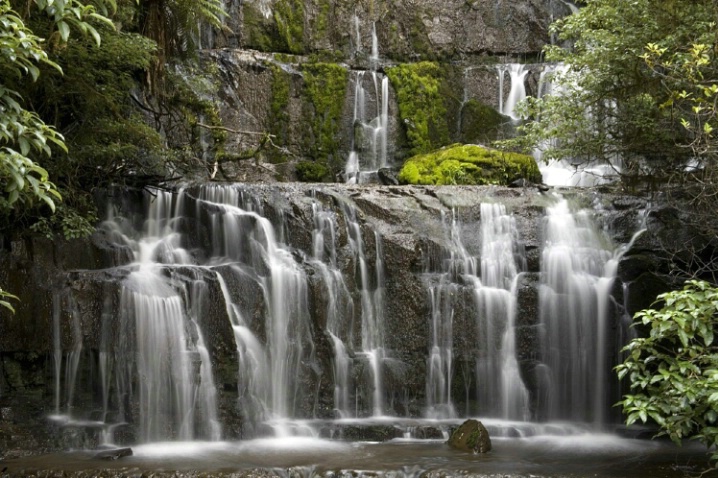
(471, 436)
(113, 454)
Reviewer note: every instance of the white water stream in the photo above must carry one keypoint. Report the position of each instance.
(276, 300)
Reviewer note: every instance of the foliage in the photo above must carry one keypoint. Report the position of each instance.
(325, 87)
(691, 80)
(21, 131)
(24, 136)
(421, 106)
(674, 370)
(5, 297)
(311, 171)
(176, 25)
(626, 90)
(469, 164)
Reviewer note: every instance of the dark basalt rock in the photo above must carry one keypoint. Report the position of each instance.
(388, 177)
(472, 437)
(114, 454)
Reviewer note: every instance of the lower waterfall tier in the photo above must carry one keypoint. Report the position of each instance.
(237, 311)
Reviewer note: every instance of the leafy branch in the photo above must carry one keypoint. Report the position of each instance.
(673, 372)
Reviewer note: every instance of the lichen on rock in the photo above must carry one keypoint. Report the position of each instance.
(469, 164)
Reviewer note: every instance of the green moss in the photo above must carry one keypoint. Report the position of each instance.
(326, 56)
(481, 123)
(289, 17)
(278, 112)
(473, 439)
(320, 27)
(469, 164)
(259, 33)
(419, 39)
(325, 87)
(421, 106)
(311, 171)
(282, 32)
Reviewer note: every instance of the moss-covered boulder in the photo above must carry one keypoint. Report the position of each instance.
(472, 437)
(469, 164)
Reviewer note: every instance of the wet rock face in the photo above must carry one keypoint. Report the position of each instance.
(471, 437)
(406, 29)
(262, 62)
(82, 295)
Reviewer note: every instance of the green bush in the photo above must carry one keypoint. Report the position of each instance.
(673, 372)
(311, 172)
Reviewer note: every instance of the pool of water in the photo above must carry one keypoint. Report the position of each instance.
(540, 456)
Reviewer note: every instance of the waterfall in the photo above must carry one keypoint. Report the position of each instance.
(500, 388)
(371, 287)
(358, 48)
(253, 373)
(444, 297)
(265, 7)
(167, 387)
(339, 308)
(243, 235)
(285, 287)
(71, 360)
(498, 376)
(370, 130)
(517, 73)
(369, 145)
(502, 258)
(177, 396)
(374, 46)
(578, 268)
(502, 75)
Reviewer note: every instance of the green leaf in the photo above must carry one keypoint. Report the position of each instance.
(64, 30)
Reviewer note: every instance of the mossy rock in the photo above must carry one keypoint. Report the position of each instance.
(481, 123)
(472, 437)
(469, 164)
(324, 91)
(422, 109)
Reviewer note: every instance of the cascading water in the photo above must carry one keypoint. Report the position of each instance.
(578, 269)
(369, 149)
(285, 303)
(498, 379)
(443, 295)
(339, 307)
(502, 258)
(248, 240)
(500, 389)
(371, 287)
(370, 130)
(176, 396)
(517, 93)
